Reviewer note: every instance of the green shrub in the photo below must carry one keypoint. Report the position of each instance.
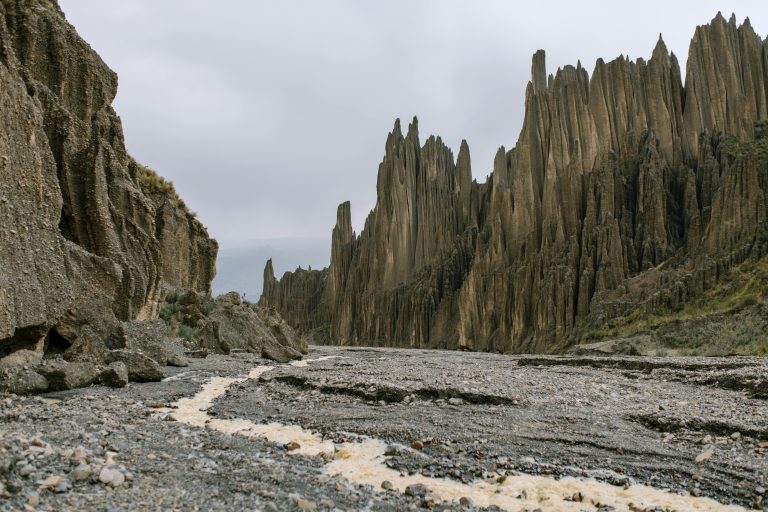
(169, 310)
(187, 332)
(207, 307)
(749, 300)
(172, 297)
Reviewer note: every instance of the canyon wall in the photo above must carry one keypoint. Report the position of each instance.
(88, 237)
(628, 190)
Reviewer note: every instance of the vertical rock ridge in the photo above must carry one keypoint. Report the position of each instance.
(618, 178)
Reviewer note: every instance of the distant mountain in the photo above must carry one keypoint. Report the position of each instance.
(241, 268)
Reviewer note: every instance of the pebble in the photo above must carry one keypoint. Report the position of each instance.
(759, 490)
(305, 504)
(33, 499)
(51, 482)
(455, 401)
(706, 454)
(292, 446)
(81, 472)
(416, 490)
(26, 470)
(417, 445)
(112, 477)
(386, 485)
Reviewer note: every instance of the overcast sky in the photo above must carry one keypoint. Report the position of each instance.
(267, 114)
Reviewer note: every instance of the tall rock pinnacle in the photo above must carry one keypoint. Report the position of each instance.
(621, 194)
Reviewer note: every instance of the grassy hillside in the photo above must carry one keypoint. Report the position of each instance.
(728, 319)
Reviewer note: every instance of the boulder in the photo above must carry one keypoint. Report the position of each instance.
(22, 381)
(141, 368)
(21, 358)
(62, 375)
(87, 347)
(115, 375)
(277, 352)
(151, 338)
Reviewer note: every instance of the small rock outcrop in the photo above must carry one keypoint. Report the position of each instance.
(627, 191)
(229, 323)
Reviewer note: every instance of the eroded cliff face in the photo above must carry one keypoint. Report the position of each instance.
(624, 192)
(86, 238)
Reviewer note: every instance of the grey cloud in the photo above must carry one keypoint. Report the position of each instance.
(267, 114)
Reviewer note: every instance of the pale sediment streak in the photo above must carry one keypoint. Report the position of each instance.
(363, 463)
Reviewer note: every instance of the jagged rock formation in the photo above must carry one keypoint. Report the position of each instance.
(305, 305)
(626, 192)
(88, 237)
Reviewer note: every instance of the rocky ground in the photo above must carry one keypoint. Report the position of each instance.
(696, 427)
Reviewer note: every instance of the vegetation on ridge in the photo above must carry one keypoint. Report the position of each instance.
(152, 184)
(731, 318)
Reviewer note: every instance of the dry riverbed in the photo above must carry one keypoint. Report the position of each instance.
(384, 429)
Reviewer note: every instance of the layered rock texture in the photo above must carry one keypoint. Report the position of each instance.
(628, 192)
(87, 236)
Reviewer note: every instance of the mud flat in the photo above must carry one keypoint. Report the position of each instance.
(384, 429)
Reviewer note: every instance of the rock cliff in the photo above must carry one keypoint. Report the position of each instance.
(628, 192)
(88, 237)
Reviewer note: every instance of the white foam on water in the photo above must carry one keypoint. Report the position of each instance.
(363, 463)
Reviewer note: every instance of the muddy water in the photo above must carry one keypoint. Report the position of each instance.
(363, 463)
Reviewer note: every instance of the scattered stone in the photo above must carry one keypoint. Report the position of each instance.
(51, 483)
(33, 499)
(456, 401)
(465, 502)
(305, 504)
(416, 490)
(81, 472)
(706, 454)
(292, 446)
(386, 485)
(112, 477)
(417, 445)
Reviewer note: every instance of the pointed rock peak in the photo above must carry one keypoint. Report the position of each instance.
(463, 162)
(539, 71)
(661, 48)
(413, 129)
(747, 22)
(732, 20)
(578, 65)
(344, 222)
(396, 131)
(501, 156)
(269, 272)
